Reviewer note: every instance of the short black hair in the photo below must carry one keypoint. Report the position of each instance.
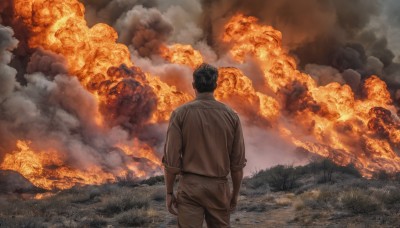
(205, 78)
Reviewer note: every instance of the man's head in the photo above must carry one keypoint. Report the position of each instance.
(205, 78)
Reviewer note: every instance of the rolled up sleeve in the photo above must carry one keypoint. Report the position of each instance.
(238, 157)
(173, 146)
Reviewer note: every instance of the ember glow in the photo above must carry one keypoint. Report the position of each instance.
(329, 121)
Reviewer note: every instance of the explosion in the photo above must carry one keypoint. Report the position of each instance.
(125, 102)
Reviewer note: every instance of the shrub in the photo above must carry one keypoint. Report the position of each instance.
(278, 178)
(326, 196)
(349, 169)
(153, 180)
(282, 178)
(328, 168)
(127, 181)
(381, 175)
(124, 201)
(27, 222)
(95, 222)
(391, 199)
(158, 195)
(359, 202)
(256, 182)
(135, 218)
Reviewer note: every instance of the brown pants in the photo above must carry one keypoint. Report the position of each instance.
(202, 198)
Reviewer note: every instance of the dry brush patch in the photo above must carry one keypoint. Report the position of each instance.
(86, 206)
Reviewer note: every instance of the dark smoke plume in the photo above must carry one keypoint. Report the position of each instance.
(312, 29)
(146, 29)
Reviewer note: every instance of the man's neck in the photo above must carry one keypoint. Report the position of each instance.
(205, 96)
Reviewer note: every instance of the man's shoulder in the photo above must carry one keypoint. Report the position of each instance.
(227, 108)
(184, 107)
(197, 104)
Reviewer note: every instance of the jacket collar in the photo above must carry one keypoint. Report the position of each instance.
(205, 96)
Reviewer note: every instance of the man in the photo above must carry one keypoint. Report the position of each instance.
(204, 144)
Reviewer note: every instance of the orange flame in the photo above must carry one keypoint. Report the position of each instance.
(182, 54)
(48, 170)
(344, 128)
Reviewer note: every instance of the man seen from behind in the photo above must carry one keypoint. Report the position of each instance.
(204, 144)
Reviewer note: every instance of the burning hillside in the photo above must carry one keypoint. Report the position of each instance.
(75, 108)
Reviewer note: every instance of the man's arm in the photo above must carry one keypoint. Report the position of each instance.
(169, 179)
(238, 161)
(237, 177)
(172, 160)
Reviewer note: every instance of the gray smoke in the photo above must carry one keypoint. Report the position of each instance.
(324, 75)
(7, 74)
(106, 11)
(148, 24)
(145, 29)
(47, 62)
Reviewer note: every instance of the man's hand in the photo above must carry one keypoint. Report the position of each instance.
(233, 203)
(170, 199)
(172, 205)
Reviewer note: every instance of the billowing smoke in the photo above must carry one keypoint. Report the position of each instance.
(54, 111)
(7, 77)
(47, 62)
(145, 29)
(148, 24)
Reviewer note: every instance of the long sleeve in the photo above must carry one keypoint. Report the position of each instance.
(173, 146)
(237, 157)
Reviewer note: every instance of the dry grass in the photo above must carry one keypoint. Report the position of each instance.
(89, 206)
(358, 201)
(136, 217)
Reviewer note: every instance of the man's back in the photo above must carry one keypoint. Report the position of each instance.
(211, 137)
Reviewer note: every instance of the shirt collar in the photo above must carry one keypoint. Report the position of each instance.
(205, 96)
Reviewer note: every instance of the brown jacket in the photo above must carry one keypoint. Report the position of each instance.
(205, 138)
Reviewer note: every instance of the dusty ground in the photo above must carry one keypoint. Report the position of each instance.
(341, 201)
